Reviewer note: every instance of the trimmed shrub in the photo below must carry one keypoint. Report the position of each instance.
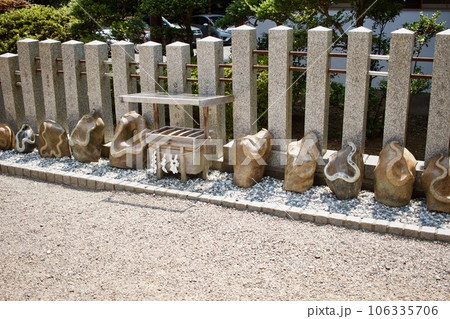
(37, 22)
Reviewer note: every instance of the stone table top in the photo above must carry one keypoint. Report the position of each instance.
(177, 99)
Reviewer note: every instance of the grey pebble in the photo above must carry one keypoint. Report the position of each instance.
(319, 198)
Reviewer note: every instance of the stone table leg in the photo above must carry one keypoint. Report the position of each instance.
(159, 172)
(204, 162)
(156, 116)
(182, 166)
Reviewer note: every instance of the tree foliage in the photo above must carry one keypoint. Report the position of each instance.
(37, 22)
(8, 5)
(381, 11)
(426, 29)
(52, 3)
(93, 16)
(125, 18)
(306, 14)
(179, 11)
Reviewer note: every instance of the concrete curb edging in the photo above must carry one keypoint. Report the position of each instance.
(284, 211)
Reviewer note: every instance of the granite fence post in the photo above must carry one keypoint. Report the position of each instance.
(13, 113)
(318, 84)
(99, 85)
(28, 50)
(178, 55)
(438, 133)
(280, 78)
(53, 82)
(209, 56)
(75, 83)
(122, 53)
(357, 87)
(398, 86)
(150, 54)
(244, 81)
(2, 105)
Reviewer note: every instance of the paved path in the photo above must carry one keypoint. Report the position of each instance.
(57, 243)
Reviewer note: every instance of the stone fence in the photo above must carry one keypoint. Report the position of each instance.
(63, 81)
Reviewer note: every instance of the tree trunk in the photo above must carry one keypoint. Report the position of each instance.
(155, 21)
(360, 8)
(187, 23)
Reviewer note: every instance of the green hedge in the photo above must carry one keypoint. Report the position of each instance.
(37, 22)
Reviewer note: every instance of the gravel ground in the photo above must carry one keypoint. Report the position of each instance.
(268, 190)
(58, 243)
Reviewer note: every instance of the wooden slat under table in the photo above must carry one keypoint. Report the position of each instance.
(188, 143)
(177, 137)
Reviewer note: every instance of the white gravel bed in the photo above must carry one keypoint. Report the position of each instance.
(319, 198)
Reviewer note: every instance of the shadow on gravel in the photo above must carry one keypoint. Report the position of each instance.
(46, 163)
(71, 165)
(433, 219)
(6, 155)
(385, 214)
(121, 202)
(294, 201)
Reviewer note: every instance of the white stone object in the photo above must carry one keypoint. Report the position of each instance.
(174, 164)
(153, 163)
(163, 163)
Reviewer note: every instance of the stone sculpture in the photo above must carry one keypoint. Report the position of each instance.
(25, 139)
(301, 163)
(52, 140)
(129, 145)
(252, 152)
(86, 139)
(344, 172)
(6, 137)
(394, 175)
(436, 183)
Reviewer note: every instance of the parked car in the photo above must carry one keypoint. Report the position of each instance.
(196, 32)
(107, 32)
(206, 23)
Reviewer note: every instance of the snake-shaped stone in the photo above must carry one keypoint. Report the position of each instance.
(445, 174)
(21, 144)
(389, 167)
